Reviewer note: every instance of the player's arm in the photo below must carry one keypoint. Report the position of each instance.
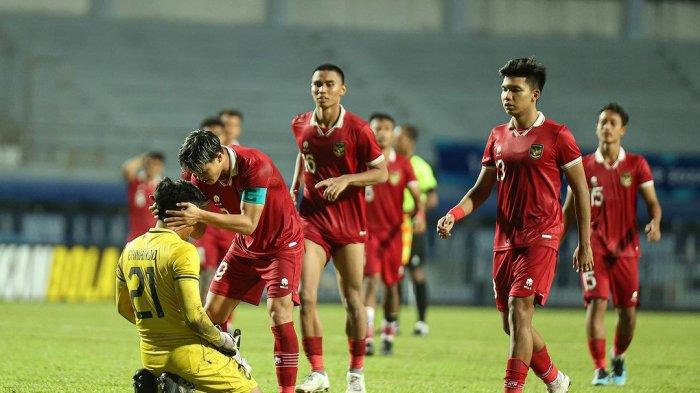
(252, 204)
(297, 179)
(123, 300)
(376, 173)
(583, 256)
(471, 201)
(419, 214)
(185, 274)
(569, 213)
(131, 167)
(653, 228)
(432, 199)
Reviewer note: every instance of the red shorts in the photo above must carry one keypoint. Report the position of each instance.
(523, 272)
(383, 255)
(619, 275)
(245, 278)
(213, 246)
(328, 240)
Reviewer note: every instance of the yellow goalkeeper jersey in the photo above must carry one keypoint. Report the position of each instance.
(150, 266)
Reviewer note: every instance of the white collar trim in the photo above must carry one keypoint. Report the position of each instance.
(538, 122)
(601, 160)
(392, 155)
(338, 124)
(234, 170)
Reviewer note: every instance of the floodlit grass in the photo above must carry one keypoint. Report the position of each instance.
(90, 348)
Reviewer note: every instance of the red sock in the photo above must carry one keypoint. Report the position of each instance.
(313, 348)
(622, 342)
(597, 348)
(516, 372)
(286, 356)
(357, 353)
(543, 366)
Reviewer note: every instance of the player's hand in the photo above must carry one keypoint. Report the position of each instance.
(228, 344)
(334, 186)
(180, 219)
(419, 223)
(444, 226)
(153, 208)
(653, 231)
(583, 258)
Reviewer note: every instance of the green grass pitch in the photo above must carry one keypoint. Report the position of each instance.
(90, 348)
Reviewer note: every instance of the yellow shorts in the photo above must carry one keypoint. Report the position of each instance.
(208, 369)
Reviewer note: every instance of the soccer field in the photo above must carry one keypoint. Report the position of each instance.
(89, 348)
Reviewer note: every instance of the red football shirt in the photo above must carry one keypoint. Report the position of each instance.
(614, 201)
(385, 200)
(347, 147)
(140, 218)
(529, 165)
(279, 227)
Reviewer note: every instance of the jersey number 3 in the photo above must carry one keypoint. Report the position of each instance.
(150, 279)
(500, 170)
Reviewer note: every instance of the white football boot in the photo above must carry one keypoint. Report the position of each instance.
(315, 382)
(356, 383)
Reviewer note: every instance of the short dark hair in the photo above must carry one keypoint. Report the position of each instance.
(411, 131)
(617, 108)
(156, 155)
(169, 193)
(381, 116)
(529, 68)
(211, 121)
(231, 112)
(332, 67)
(199, 148)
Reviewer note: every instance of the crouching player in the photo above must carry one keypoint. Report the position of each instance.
(158, 291)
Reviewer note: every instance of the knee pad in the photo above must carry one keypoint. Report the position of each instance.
(145, 382)
(171, 383)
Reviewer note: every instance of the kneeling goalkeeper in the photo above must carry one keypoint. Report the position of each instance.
(158, 291)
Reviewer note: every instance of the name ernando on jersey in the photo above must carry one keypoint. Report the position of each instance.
(144, 255)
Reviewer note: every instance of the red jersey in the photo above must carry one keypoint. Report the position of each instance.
(385, 200)
(529, 165)
(347, 147)
(614, 201)
(140, 218)
(279, 227)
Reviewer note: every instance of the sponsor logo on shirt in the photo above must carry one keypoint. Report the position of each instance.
(394, 177)
(528, 283)
(305, 146)
(339, 149)
(594, 180)
(626, 179)
(217, 199)
(536, 151)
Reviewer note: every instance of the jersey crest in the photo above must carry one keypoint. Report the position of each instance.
(536, 151)
(394, 177)
(626, 179)
(339, 149)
